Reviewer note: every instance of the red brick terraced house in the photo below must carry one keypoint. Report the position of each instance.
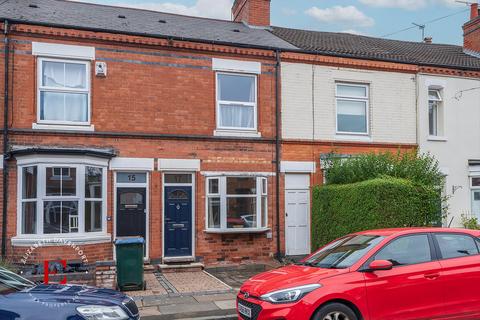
(203, 136)
(126, 122)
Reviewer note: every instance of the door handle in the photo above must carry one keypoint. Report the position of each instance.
(432, 276)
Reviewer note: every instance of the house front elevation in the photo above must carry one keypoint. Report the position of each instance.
(125, 122)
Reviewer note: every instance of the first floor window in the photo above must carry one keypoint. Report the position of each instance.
(237, 203)
(435, 112)
(352, 108)
(236, 101)
(62, 199)
(63, 91)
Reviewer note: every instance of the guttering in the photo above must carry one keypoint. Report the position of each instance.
(5, 139)
(277, 148)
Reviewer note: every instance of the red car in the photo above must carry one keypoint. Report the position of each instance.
(391, 274)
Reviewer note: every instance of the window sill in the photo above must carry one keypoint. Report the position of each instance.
(437, 138)
(59, 127)
(353, 137)
(236, 133)
(55, 241)
(245, 230)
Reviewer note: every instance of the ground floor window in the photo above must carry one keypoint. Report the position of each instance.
(475, 189)
(237, 203)
(61, 198)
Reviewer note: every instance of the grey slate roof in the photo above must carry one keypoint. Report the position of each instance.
(144, 22)
(136, 21)
(349, 45)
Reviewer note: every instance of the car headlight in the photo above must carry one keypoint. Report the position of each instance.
(102, 313)
(289, 295)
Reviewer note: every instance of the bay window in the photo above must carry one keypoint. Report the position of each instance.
(62, 199)
(236, 101)
(352, 108)
(237, 203)
(63, 91)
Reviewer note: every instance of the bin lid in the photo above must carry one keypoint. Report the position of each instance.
(129, 240)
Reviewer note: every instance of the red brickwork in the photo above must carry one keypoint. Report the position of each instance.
(156, 102)
(252, 12)
(471, 30)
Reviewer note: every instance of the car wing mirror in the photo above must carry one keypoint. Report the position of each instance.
(380, 265)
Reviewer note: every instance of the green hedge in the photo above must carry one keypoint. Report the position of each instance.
(378, 203)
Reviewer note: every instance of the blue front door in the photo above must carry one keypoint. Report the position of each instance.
(178, 221)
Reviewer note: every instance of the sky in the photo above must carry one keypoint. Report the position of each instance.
(443, 19)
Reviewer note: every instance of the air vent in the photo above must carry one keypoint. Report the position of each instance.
(162, 21)
(121, 16)
(33, 6)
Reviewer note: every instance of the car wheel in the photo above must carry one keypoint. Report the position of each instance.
(335, 311)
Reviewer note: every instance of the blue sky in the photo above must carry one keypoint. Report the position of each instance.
(369, 17)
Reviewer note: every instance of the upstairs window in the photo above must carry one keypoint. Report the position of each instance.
(352, 108)
(236, 101)
(63, 92)
(435, 113)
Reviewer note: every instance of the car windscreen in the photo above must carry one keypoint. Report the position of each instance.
(10, 282)
(344, 252)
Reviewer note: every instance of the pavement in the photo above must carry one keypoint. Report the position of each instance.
(200, 295)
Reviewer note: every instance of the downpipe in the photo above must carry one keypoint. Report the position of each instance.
(5, 139)
(277, 149)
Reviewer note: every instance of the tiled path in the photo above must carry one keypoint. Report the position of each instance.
(184, 295)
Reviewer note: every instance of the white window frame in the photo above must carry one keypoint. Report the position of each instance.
(42, 197)
(227, 102)
(365, 99)
(41, 89)
(474, 189)
(222, 194)
(440, 113)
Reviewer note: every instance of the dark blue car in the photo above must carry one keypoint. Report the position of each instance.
(21, 299)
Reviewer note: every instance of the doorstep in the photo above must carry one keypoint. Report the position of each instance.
(172, 268)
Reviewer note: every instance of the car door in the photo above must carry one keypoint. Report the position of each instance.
(411, 289)
(460, 261)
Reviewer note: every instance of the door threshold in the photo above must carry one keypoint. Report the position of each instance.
(178, 259)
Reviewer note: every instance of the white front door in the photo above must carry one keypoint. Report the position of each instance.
(297, 214)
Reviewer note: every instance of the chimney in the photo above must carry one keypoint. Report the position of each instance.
(471, 30)
(252, 12)
(428, 40)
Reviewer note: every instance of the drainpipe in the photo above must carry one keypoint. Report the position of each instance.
(277, 148)
(5, 141)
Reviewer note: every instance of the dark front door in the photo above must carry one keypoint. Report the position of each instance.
(131, 212)
(178, 221)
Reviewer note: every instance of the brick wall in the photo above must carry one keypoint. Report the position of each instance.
(252, 12)
(150, 94)
(295, 150)
(471, 30)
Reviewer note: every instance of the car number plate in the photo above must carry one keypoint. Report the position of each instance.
(246, 311)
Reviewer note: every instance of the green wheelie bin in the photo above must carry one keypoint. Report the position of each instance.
(129, 255)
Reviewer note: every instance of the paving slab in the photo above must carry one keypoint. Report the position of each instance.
(167, 300)
(226, 304)
(215, 297)
(149, 311)
(187, 308)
